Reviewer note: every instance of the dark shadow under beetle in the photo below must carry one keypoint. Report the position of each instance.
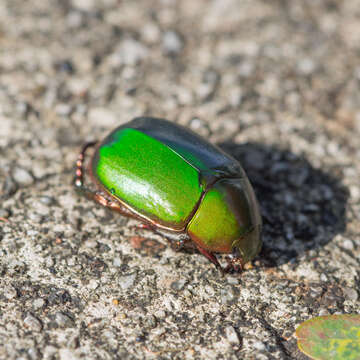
(302, 207)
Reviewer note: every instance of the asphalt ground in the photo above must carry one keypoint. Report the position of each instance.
(274, 83)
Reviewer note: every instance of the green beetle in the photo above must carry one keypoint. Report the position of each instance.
(178, 184)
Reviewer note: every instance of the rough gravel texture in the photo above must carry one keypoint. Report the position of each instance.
(275, 83)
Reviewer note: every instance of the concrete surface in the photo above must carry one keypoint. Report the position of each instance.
(276, 83)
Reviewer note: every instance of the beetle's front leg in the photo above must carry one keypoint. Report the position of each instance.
(79, 173)
(79, 177)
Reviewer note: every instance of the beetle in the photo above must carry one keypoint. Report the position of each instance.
(177, 184)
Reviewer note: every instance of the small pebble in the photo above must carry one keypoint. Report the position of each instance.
(38, 303)
(9, 188)
(127, 281)
(34, 353)
(23, 108)
(71, 261)
(151, 321)
(205, 91)
(227, 295)
(9, 292)
(67, 354)
(93, 284)
(184, 96)
(200, 126)
(91, 244)
(209, 290)
(117, 262)
(350, 293)
(348, 244)
(178, 285)
(74, 19)
(160, 314)
(63, 109)
(85, 5)
(35, 217)
(49, 261)
(4, 213)
(102, 117)
(232, 280)
(235, 97)
(232, 335)
(130, 52)
(22, 176)
(172, 42)
(258, 345)
(306, 66)
(159, 331)
(150, 33)
(63, 320)
(246, 69)
(323, 277)
(47, 200)
(32, 323)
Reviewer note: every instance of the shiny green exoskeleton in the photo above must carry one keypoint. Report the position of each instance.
(177, 184)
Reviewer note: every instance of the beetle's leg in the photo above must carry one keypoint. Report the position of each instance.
(79, 177)
(97, 196)
(210, 256)
(235, 264)
(79, 173)
(142, 226)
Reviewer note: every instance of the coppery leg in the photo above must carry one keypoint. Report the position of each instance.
(234, 264)
(142, 226)
(210, 256)
(79, 173)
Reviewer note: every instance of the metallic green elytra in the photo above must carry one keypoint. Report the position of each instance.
(178, 184)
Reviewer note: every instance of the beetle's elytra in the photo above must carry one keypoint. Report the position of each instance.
(178, 184)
